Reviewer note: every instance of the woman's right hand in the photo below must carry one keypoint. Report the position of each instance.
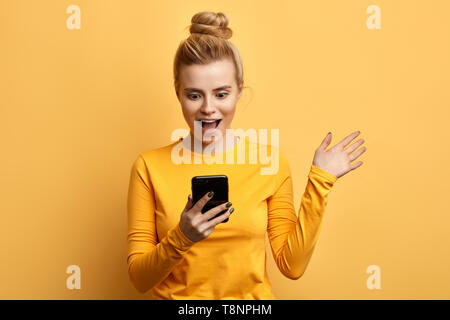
(195, 225)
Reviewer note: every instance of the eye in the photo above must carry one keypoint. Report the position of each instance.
(225, 93)
(192, 96)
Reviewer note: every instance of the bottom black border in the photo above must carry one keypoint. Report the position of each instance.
(227, 309)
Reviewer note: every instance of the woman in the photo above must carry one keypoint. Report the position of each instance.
(193, 255)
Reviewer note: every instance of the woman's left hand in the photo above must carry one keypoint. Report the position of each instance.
(337, 159)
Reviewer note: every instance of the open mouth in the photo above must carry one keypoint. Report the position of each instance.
(210, 124)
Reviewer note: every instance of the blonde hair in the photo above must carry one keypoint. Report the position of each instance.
(208, 42)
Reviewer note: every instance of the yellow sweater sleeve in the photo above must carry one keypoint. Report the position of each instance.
(149, 261)
(293, 238)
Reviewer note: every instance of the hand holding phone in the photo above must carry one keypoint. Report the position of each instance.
(216, 183)
(196, 222)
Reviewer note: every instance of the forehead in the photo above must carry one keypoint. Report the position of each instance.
(211, 75)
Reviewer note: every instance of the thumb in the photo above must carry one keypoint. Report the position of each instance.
(326, 141)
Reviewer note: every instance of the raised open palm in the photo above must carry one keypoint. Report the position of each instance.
(337, 160)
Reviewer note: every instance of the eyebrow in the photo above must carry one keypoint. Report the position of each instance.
(216, 89)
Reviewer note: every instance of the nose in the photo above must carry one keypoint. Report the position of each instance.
(207, 106)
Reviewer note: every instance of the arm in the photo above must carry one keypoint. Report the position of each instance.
(293, 238)
(149, 262)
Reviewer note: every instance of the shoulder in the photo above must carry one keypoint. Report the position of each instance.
(159, 151)
(271, 156)
(154, 155)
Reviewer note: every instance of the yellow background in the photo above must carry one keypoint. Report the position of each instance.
(78, 106)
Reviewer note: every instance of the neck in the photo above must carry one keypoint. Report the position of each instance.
(223, 141)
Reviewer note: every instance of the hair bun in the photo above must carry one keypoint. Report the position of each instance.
(211, 23)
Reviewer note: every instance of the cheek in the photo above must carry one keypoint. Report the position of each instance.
(188, 109)
(227, 119)
(228, 111)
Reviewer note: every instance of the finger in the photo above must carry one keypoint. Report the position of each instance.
(354, 146)
(349, 138)
(325, 142)
(216, 210)
(356, 165)
(355, 155)
(188, 203)
(217, 220)
(203, 200)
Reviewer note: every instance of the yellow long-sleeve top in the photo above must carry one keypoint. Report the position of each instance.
(231, 262)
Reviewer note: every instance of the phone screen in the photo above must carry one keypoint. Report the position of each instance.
(217, 183)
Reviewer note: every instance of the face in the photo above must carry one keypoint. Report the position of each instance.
(209, 92)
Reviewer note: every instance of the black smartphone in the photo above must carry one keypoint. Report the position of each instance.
(217, 183)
